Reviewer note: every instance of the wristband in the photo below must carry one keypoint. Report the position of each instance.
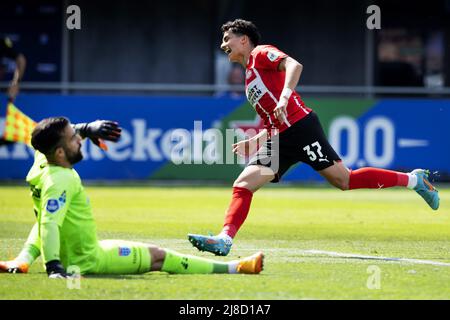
(286, 93)
(80, 128)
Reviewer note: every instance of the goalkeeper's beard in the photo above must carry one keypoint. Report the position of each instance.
(73, 157)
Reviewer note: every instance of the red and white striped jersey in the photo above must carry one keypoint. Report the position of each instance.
(264, 84)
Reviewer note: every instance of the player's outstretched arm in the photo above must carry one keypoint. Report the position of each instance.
(99, 130)
(13, 89)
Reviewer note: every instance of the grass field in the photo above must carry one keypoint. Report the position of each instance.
(284, 223)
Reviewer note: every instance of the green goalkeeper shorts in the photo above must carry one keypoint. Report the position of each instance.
(122, 257)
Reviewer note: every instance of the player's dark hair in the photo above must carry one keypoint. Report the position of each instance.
(243, 27)
(47, 135)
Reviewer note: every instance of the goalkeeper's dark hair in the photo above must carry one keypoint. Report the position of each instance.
(243, 27)
(47, 135)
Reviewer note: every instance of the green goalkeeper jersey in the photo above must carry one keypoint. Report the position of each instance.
(66, 226)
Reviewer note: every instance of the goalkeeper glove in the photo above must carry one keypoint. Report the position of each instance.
(55, 270)
(99, 130)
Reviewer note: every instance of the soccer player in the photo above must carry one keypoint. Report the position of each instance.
(65, 234)
(7, 50)
(292, 134)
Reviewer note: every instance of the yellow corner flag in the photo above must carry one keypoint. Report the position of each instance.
(18, 126)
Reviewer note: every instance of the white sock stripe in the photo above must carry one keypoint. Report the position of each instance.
(412, 181)
(232, 266)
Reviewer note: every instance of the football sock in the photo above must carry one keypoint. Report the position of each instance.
(374, 178)
(225, 237)
(178, 263)
(237, 211)
(412, 181)
(28, 254)
(30, 251)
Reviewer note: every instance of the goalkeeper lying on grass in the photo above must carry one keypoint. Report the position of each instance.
(65, 233)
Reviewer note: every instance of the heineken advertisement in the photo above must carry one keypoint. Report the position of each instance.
(189, 138)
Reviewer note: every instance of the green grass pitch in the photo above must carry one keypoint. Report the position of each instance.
(284, 222)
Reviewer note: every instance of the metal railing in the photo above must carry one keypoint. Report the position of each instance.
(212, 88)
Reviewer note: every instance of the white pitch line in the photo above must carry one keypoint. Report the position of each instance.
(359, 256)
(180, 244)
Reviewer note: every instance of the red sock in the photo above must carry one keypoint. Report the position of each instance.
(374, 178)
(237, 211)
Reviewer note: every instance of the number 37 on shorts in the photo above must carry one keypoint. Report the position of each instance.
(314, 152)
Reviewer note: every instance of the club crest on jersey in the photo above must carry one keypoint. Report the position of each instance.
(52, 205)
(124, 251)
(272, 55)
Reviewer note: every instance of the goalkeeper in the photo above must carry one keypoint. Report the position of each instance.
(65, 234)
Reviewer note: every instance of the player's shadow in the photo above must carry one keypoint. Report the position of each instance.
(146, 276)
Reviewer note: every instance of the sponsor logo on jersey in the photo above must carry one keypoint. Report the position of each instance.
(124, 251)
(272, 55)
(248, 74)
(255, 90)
(52, 205)
(62, 198)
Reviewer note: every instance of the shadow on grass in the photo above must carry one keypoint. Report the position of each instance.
(143, 276)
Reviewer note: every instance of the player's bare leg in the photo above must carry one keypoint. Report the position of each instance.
(254, 177)
(337, 175)
(157, 255)
(373, 178)
(250, 180)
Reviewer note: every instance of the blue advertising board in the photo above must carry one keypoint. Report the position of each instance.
(183, 137)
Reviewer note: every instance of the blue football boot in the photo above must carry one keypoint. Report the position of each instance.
(218, 245)
(425, 189)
